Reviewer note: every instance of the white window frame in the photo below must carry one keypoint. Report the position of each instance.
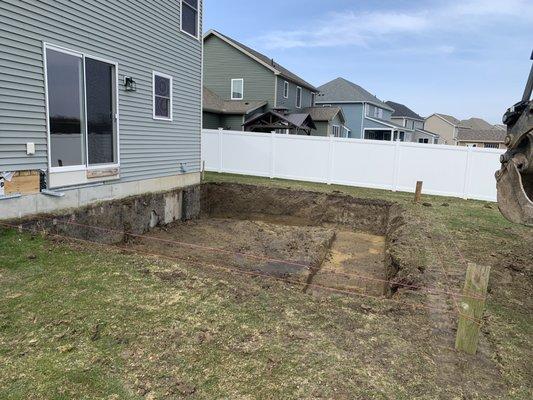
(299, 89)
(336, 128)
(286, 89)
(86, 166)
(236, 80)
(162, 75)
(381, 130)
(197, 37)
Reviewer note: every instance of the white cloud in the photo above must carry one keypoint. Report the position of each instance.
(363, 29)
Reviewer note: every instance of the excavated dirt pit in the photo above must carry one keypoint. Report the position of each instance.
(318, 240)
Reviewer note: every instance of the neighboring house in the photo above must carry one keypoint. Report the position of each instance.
(446, 126)
(329, 121)
(413, 122)
(102, 98)
(228, 114)
(237, 73)
(366, 116)
(486, 138)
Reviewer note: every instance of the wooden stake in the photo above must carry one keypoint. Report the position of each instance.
(418, 191)
(203, 170)
(471, 308)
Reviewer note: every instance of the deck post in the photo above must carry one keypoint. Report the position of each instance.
(418, 191)
(471, 308)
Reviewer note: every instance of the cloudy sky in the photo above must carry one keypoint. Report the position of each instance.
(464, 58)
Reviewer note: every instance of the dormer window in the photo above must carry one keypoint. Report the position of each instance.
(190, 17)
(237, 89)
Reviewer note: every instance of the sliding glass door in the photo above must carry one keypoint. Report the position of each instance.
(82, 110)
(101, 127)
(65, 109)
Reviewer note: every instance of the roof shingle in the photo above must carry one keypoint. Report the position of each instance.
(401, 110)
(481, 135)
(214, 103)
(343, 90)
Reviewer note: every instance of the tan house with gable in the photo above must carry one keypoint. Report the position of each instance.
(446, 126)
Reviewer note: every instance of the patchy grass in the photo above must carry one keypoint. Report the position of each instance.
(91, 322)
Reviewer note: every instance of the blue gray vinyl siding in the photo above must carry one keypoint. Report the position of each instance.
(322, 128)
(387, 114)
(223, 62)
(353, 113)
(140, 37)
(290, 101)
(368, 123)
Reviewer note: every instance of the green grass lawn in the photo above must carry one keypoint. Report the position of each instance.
(92, 322)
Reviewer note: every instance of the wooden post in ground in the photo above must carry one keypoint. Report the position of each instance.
(418, 191)
(471, 307)
(203, 170)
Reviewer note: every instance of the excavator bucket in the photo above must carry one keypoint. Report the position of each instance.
(515, 178)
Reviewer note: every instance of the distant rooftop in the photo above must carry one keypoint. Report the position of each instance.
(481, 135)
(323, 113)
(214, 103)
(401, 110)
(343, 90)
(476, 123)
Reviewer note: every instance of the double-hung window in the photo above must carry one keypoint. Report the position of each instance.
(190, 17)
(336, 131)
(82, 108)
(237, 89)
(286, 89)
(162, 96)
(298, 97)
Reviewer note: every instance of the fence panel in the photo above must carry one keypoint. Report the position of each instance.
(446, 170)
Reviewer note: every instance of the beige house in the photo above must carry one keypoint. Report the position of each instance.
(485, 138)
(445, 126)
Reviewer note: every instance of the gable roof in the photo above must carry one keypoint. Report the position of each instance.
(324, 113)
(401, 110)
(448, 118)
(342, 90)
(298, 120)
(214, 103)
(476, 123)
(481, 135)
(262, 59)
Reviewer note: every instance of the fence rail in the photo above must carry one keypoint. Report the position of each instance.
(455, 171)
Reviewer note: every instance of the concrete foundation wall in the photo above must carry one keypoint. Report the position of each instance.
(75, 198)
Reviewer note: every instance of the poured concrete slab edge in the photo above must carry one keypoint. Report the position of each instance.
(84, 196)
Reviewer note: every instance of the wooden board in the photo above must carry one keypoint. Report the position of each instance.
(24, 182)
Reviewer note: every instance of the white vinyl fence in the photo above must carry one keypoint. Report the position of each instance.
(464, 172)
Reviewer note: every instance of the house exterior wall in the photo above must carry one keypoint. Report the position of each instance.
(223, 62)
(370, 109)
(211, 120)
(232, 122)
(353, 113)
(290, 102)
(130, 34)
(481, 144)
(322, 129)
(421, 135)
(446, 131)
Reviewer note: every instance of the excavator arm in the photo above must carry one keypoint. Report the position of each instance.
(514, 180)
